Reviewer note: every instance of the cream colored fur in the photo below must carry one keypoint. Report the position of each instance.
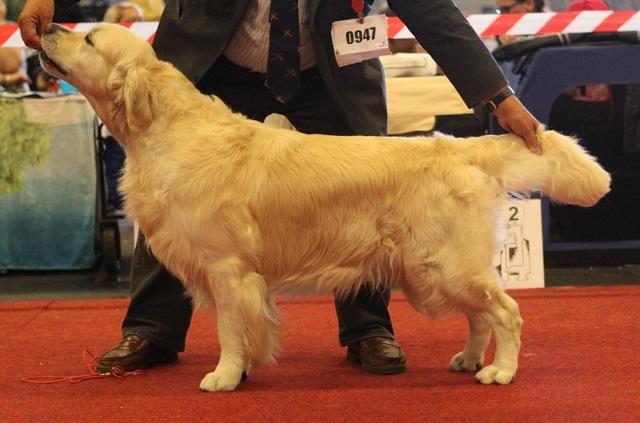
(240, 211)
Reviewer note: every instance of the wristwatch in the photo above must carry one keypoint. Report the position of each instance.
(492, 104)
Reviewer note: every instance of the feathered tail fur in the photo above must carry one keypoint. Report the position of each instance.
(564, 171)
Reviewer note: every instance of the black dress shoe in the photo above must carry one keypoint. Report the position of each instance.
(378, 355)
(133, 353)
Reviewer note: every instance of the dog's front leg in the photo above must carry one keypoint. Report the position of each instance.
(247, 325)
(233, 355)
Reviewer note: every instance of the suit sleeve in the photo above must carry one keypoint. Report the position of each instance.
(441, 28)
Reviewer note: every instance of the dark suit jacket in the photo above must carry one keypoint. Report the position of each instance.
(193, 33)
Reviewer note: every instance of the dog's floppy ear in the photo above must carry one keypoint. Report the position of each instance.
(129, 86)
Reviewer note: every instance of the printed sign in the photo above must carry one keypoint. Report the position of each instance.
(520, 261)
(355, 41)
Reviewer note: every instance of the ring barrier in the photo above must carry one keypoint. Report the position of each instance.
(486, 26)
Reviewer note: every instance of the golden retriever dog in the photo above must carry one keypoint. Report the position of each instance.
(240, 211)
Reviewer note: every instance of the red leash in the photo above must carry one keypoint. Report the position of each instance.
(90, 361)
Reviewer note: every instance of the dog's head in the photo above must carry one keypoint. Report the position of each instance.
(109, 65)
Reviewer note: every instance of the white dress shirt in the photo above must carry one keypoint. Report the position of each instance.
(249, 45)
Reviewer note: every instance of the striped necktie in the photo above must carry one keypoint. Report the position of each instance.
(283, 67)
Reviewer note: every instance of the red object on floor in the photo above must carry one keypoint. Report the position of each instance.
(579, 363)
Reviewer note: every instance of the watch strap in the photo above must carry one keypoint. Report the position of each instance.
(492, 104)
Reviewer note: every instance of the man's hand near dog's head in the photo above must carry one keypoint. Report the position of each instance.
(36, 15)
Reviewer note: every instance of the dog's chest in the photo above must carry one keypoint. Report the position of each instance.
(147, 196)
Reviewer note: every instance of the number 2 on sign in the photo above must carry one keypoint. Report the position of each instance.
(357, 36)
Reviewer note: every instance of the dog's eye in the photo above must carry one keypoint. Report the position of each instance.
(87, 39)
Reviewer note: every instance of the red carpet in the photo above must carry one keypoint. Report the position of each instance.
(579, 363)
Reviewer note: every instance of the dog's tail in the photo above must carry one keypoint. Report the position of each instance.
(564, 171)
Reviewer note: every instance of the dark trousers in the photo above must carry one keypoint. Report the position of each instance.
(160, 309)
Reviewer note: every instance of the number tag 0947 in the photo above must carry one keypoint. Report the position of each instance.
(355, 41)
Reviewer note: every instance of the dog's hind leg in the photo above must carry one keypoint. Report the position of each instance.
(247, 327)
(503, 316)
(486, 307)
(472, 357)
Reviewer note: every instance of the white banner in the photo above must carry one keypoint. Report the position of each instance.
(487, 26)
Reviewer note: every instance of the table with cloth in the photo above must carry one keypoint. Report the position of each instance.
(48, 183)
(414, 102)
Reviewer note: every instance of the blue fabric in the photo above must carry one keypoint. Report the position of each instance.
(50, 223)
(555, 69)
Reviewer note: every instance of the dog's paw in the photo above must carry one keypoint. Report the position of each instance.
(461, 363)
(220, 381)
(494, 374)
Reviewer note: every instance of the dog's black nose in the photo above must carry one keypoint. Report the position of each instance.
(50, 29)
(53, 27)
